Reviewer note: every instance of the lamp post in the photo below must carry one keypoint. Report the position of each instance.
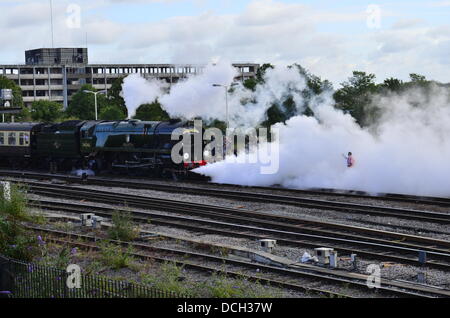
(226, 99)
(226, 110)
(95, 99)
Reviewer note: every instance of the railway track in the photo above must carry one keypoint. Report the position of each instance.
(402, 289)
(146, 184)
(346, 207)
(425, 200)
(346, 239)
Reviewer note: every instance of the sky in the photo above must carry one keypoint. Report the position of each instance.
(329, 38)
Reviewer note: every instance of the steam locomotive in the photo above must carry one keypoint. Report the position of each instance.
(131, 145)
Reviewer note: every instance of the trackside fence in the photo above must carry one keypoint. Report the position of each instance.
(27, 280)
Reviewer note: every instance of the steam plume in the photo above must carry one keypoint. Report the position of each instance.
(407, 152)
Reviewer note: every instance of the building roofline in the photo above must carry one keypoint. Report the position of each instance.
(119, 65)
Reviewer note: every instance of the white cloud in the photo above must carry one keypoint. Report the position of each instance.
(325, 41)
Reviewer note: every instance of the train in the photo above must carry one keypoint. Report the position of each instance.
(141, 147)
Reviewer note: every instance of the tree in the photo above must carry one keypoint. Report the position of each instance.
(82, 105)
(153, 112)
(115, 95)
(420, 82)
(262, 71)
(112, 112)
(17, 91)
(23, 116)
(417, 78)
(46, 111)
(251, 83)
(392, 84)
(355, 96)
(282, 110)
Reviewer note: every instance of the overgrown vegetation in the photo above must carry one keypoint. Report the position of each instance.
(173, 277)
(222, 287)
(123, 228)
(15, 240)
(59, 257)
(115, 256)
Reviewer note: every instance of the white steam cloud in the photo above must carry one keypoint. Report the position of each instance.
(407, 152)
(196, 96)
(136, 91)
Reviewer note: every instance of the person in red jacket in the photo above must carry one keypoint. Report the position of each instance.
(350, 160)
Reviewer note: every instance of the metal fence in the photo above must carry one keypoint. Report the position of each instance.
(27, 280)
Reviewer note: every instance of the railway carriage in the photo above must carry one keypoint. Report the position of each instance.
(18, 143)
(143, 146)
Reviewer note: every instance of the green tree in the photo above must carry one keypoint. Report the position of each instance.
(115, 95)
(262, 71)
(112, 112)
(82, 105)
(392, 84)
(153, 112)
(420, 82)
(355, 96)
(46, 111)
(250, 84)
(284, 109)
(23, 116)
(417, 78)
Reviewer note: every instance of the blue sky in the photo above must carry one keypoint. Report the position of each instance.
(331, 38)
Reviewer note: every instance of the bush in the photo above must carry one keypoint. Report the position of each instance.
(15, 241)
(122, 228)
(115, 256)
(16, 208)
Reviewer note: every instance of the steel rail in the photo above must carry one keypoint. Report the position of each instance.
(359, 209)
(289, 237)
(260, 217)
(401, 288)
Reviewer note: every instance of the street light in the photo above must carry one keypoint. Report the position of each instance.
(226, 98)
(95, 99)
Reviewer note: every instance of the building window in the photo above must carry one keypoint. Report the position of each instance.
(2, 138)
(12, 139)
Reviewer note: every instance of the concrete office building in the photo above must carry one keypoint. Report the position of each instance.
(56, 74)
